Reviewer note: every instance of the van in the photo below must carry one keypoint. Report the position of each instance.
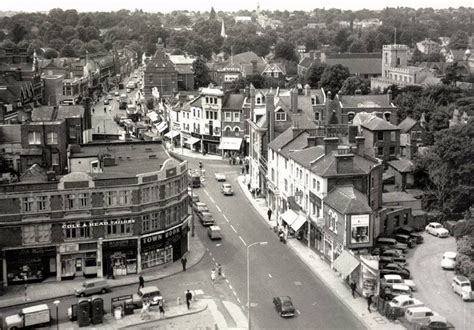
(391, 243)
(214, 232)
(94, 286)
(419, 315)
(463, 287)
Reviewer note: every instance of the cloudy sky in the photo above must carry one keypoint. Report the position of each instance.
(224, 5)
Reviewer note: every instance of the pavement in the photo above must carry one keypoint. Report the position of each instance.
(37, 292)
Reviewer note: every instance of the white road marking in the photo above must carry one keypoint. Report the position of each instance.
(270, 275)
(227, 280)
(212, 200)
(242, 240)
(235, 293)
(218, 208)
(230, 286)
(238, 300)
(219, 244)
(226, 219)
(297, 311)
(235, 231)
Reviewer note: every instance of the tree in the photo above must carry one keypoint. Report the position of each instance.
(357, 46)
(353, 84)
(313, 76)
(333, 77)
(201, 73)
(68, 51)
(453, 74)
(17, 33)
(50, 53)
(57, 44)
(459, 40)
(286, 50)
(212, 14)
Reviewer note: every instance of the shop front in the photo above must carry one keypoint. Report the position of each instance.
(332, 248)
(119, 257)
(30, 264)
(211, 144)
(164, 247)
(78, 259)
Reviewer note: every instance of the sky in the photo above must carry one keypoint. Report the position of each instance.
(224, 5)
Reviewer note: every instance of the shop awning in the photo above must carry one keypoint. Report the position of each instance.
(346, 263)
(192, 140)
(161, 127)
(296, 225)
(230, 143)
(172, 134)
(289, 217)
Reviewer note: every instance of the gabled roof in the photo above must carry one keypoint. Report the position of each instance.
(407, 124)
(327, 165)
(306, 62)
(306, 156)
(275, 67)
(196, 102)
(402, 165)
(358, 63)
(379, 124)
(348, 200)
(300, 142)
(233, 101)
(281, 140)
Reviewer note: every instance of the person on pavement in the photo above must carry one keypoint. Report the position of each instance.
(369, 302)
(189, 296)
(183, 262)
(213, 275)
(141, 282)
(353, 288)
(269, 213)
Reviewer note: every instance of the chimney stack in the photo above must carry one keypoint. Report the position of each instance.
(254, 67)
(307, 90)
(294, 100)
(252, 101)
(270, 111)
(330, 144)
(344, 160)
(360, 143)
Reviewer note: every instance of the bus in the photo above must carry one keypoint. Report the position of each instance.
(123, 102)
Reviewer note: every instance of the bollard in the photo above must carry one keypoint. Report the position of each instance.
(178, 301)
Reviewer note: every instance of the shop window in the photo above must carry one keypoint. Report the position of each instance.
(360, 229)
(157, 257)
(32, 234)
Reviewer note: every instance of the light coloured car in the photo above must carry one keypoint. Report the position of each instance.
(449, 260)
(463, 287)
(201, 207)
(220, 176)
(435, 229)
(227, 189)
(390, 280)
(404, 302)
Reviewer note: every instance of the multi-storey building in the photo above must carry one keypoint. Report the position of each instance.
(123, 208)
(382, 139)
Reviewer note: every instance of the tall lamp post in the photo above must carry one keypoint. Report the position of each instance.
(248, 278)
(56, 303)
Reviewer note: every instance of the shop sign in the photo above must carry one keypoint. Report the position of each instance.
(97, 223)
(163, 236)
(69, 247)
(360, 228)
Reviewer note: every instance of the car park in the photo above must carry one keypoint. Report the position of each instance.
(405, 239)
(390, 280)
(284, 306)
(93, 286)
(206, 218)
(152, 293)
(214, 232)
(420, 315)
(396, 270)
(462, 286)
(435, 229)
(390, 243)
(227, 189)
(389, 292)
(448, 261)
(392, 260)
(407, 230)
(404, 302)
(220, 176)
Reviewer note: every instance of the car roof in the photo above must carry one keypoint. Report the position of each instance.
(284, 298)
(201, 204)
(435, 223)
(401, 287)
(402, 235)
(149, 289)
(226, 184)
(461, 278)
(403, 297)
(208, 214)
(420, 309)
(215, 228)
(392, 277)
(450, 254)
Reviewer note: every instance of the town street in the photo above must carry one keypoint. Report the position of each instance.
(274, 269)
(434, 283)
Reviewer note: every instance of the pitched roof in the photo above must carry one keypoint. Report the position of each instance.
(365, 101)
(347, 200)
(402, 165)
(281, 140)
(358, 63)
(379, 124)
(306, 156)
(299, 142)
(233, 101)
(327, 166)
(48, 113)
(306, 62)
(246, 57)
(407, 124)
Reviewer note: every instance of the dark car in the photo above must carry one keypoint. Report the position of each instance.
(405, 239)
(383, 260)
(284, 306)
(395, 269)
(410, 231)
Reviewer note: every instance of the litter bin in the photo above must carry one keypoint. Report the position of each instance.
(97, 315)
(83, 312)
(129, 307)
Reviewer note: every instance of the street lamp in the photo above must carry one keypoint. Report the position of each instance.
(248, 278)
(56, 303)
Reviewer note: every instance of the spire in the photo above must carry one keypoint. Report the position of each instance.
(223, 35)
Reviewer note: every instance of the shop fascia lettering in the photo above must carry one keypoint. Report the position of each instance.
(158, 237)
(98, 223)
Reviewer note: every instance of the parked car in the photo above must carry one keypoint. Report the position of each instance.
(227, 189)
(106, 102)
(407, 230)
(391, 253)
(392, 260)
(420, 315)
(284, 306)
(438, 322)
(117, 94)
(110, 97)
(449, 260)
(194, 198)
(435, 229)
(93, 286)
(149, 292)
(463, 287)
(390, 280)
(206, 218)
(220, 176)
(389, 292)
(390, 243)
(200, 207)
(405, 302)
(405, 239)
(395, 269)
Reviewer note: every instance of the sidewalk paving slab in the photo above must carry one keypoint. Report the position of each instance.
(358, 306)
(36, 292)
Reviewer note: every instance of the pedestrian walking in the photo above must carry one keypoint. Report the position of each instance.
(213, 275)
(141, 282)
(144, 313)
(242, 169)
(353, 288)
(189, 296)
(369, 302)
(93, 110)
(183, 262)
(105, 109)
(269, 213)
(161, 307)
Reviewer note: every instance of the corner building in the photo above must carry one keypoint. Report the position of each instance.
(122, 209)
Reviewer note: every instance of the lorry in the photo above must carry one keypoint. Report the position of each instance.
(195, 179)
(29, 317)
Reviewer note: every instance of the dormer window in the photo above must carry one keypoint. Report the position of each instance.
(280, 115)
(259, 100)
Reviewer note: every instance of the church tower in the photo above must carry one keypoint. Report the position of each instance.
(223, 35)
(393, 56)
